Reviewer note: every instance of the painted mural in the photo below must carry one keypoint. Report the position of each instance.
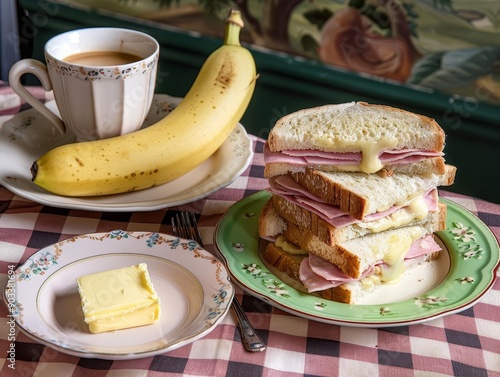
(449, 45)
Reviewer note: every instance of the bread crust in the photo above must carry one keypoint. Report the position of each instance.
(290, 265)
(344, 259)
(305, 219)
(270, 223)
(333, 192)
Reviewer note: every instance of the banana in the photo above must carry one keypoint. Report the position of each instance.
(168, 149)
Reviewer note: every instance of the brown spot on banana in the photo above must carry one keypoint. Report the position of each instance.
(79, 162)
(225, 75)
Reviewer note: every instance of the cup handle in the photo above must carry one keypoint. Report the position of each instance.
(39, 70)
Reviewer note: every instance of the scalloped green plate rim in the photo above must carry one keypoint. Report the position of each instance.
(474, 260)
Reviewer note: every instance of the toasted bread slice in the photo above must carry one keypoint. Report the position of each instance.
(278, 212)
(360, 194)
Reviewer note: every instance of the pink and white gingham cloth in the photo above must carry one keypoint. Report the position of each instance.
(11, 103)
(466, 344)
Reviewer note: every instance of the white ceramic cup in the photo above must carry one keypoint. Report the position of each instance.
(94, 101)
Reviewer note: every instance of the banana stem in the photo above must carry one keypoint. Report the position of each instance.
(234, 24)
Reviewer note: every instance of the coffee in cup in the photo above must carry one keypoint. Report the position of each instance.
(102, 58)
(103, 80)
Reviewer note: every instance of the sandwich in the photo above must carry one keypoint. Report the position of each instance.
(355, 137)
(343, 229)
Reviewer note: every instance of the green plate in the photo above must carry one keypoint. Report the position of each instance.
(471, 257)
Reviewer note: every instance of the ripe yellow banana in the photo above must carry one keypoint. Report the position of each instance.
(168, 149)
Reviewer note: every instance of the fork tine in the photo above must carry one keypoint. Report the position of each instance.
(185, 226)
(190, 223)
(196, 230)
(180, 228)
(175, 231)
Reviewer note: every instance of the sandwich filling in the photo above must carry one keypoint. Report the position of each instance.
(317, 274)
(372, 158)
(398, 215)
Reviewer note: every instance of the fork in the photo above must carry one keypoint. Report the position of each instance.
(186, 226)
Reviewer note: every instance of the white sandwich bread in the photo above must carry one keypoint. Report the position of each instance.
(355, 136)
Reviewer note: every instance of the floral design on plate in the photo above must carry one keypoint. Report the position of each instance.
(466, 280)
(385, 311)
(238, 246)
(162, 107)
(248, 215)
(319, 305)
(428, 302)
(466, 237)
(274, 286)
(38, 264)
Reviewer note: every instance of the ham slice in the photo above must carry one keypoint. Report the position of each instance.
(423, 246)
(316, 274)
(286, 187)
(309, 157)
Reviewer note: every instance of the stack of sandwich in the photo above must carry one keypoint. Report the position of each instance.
(354, 197)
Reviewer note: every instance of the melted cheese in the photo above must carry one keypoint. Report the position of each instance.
(118, 299)
(289, 247)
(394, 259)
(417, 209)
(371, 151)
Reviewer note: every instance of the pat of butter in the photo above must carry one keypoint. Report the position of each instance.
(118, 299)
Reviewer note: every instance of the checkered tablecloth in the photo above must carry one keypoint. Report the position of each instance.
(464, 344)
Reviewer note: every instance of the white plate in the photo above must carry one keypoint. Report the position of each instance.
(193, 286)
(28, 135)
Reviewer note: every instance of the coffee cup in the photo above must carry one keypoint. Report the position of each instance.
(103, 81)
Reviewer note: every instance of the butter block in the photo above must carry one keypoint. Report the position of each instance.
(118, 299)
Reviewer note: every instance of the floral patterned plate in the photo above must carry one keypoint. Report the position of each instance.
(193, 286)
(463, 273)
(27, 135)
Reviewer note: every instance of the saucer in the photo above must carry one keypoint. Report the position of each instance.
(28, 135)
